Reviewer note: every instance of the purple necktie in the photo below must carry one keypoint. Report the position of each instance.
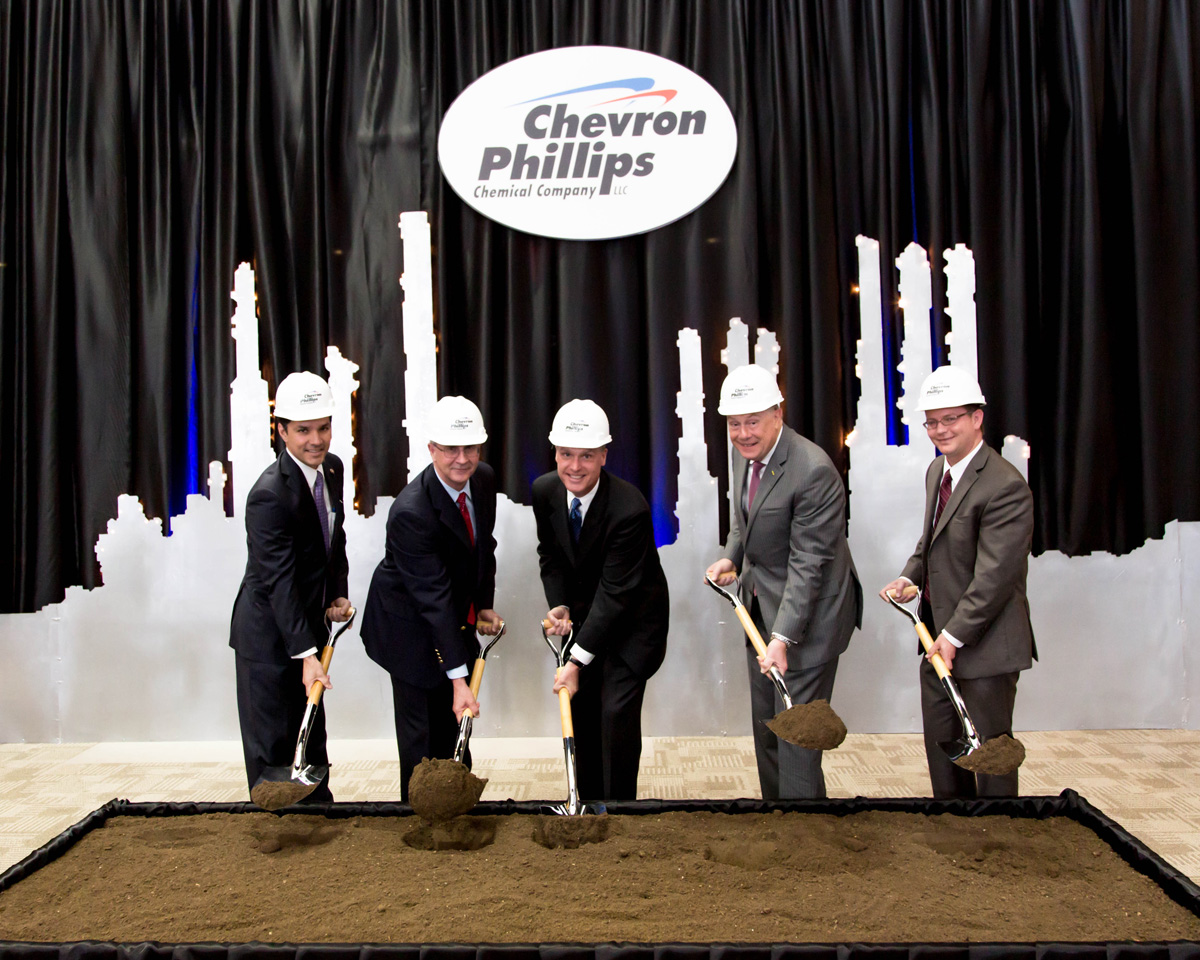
(756, 468)
(322, 512)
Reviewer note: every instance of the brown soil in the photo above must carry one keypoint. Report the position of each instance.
(873, 876)
(461, 833)
(812, 725)
(442, 789)
(569, 832)
(276, 794)
(998, 757)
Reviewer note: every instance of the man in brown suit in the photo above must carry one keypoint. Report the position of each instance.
(971, 563)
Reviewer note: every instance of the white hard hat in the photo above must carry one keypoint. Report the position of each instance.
(748, 389)
(580, 423)
(303, 396)
(456, 422)
(949, 386)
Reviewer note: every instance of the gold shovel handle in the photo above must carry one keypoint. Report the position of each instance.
(564, 709)
(939, 665)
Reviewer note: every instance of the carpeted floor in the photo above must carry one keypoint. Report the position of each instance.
(1148, 780)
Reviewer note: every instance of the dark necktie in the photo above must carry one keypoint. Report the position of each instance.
(943, 498)
(466, 515)
(756, 469)
(322, 512)
(576, 520)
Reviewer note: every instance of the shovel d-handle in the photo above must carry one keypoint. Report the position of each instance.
(754, 636)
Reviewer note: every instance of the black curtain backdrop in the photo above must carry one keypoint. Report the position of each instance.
(147, 147)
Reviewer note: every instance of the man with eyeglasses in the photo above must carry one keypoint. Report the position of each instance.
(970, 565)
(435, 587)
(788, 538)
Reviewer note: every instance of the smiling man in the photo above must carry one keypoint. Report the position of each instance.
(788, 537)
(435, 587)
(602, 578)
(971, 562)
(296, 573)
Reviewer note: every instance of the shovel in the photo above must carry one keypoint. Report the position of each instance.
(281, 786)
(464, 727)
(969, 742)
(562, 651)
(813, 726)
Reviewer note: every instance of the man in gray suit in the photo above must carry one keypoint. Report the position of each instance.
(971, 562)
(788, 536)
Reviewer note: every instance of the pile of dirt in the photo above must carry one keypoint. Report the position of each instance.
(997, 757)
(443, 789)
(669, 877)
(812, 725)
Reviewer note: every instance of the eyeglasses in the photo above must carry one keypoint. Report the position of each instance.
(946, 421)
(472, 450)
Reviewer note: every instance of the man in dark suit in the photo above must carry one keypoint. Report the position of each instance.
(798, 579)
(602, 577)
(435, 586)
(296, 573)
(972, 560)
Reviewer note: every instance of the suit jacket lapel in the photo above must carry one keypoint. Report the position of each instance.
(446, 509)
(960, 489)
(298, 484)
(592, 519)
(771, 475)
(560, 521)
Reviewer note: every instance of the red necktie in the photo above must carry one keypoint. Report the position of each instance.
(943, 498)
(756, 468)
(466, 515)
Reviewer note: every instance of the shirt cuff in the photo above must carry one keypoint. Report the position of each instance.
(307, 653)
(952, 640)
(457, 672)
(582, 655)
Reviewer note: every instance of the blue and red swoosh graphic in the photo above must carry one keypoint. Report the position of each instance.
(641, 87)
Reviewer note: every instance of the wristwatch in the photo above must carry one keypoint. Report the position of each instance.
(575, 660)
(787, 640)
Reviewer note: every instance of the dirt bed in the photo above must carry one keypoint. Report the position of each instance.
(873, 876)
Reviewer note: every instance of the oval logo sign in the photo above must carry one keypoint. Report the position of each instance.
(587, 143)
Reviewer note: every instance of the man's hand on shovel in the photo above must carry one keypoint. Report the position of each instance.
(314, 672)
(463, 699)
(775, 656)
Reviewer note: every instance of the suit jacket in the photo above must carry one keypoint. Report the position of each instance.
(977, 559)
(290, 580)
(612, 579)
(415, 618)
(792, 549)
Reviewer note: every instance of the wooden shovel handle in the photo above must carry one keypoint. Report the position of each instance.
(476, 680)
(315, 691)
(564, 710)
(546, 624)
(756, 639)
(477, 677)
(939, 665)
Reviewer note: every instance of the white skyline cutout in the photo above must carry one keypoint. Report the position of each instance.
(145, 656)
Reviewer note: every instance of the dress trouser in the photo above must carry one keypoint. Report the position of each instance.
(786, 771)
(271, 701)
(425, 726)
(989, 701)
(606, 713)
